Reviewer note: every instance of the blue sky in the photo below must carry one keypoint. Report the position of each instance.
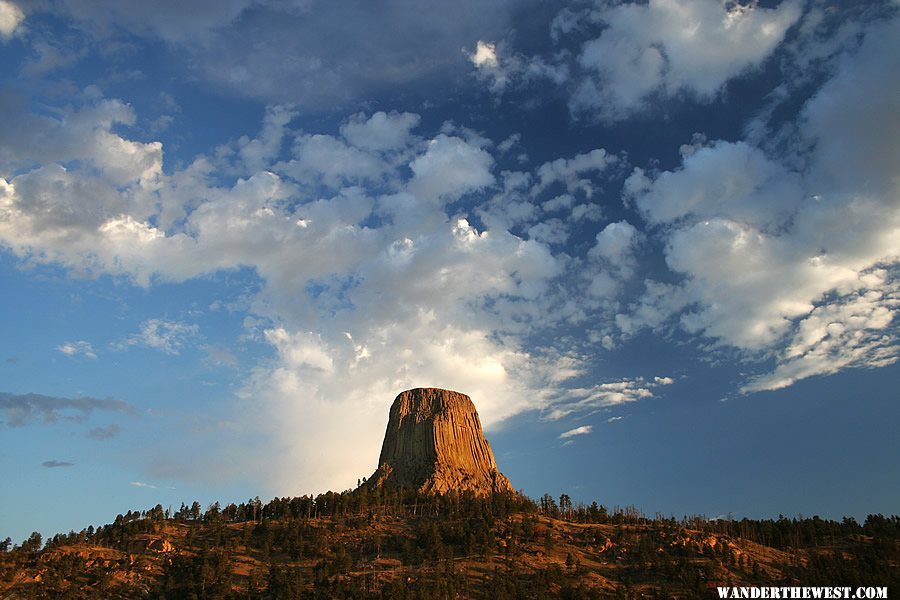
(657, 243)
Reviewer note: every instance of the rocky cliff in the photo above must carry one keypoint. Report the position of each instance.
(434, 443)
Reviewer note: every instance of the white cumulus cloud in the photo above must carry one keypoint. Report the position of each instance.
(11, 16)
(450, 168)
(664, 48)
(485, 55)
(427, 298)
(799, 265)
(380, 131)
(77, 348)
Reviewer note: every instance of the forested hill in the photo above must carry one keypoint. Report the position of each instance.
(373, 543)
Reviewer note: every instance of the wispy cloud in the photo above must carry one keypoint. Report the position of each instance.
(614, 419)
(23, 409)
(141, 484)
(52, 464)
(79, 348)
(104, 433)
(167, 336)
(583, 430)
(605, 394)
(220, 356)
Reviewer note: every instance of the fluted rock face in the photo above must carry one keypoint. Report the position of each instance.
(434, 443)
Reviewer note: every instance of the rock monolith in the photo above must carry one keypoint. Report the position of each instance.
(434, 443)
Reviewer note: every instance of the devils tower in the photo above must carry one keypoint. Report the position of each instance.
(434, 443)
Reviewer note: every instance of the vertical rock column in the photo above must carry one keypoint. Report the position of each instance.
(434, 443)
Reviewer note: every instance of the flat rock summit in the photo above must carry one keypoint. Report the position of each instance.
(434, 443)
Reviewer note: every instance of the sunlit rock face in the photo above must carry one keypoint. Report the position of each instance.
(434, 443)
